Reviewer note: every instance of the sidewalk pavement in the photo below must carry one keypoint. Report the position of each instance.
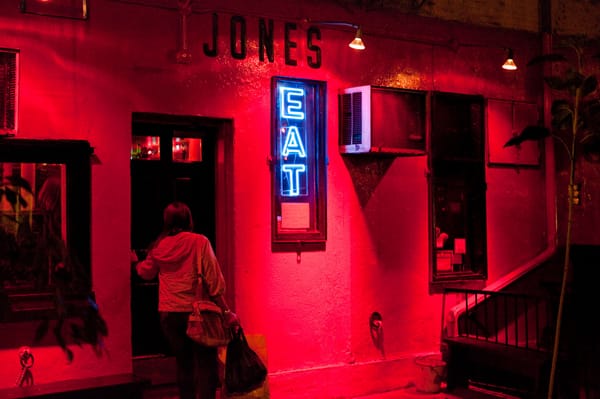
(412, 393)
(169, 392)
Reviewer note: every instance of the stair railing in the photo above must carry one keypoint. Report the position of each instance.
(511, 319)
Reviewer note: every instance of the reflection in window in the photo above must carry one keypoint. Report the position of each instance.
(457, 190)
(183, 149)
(187, 149)
(32, 235)
(45, 208)
(145, 147)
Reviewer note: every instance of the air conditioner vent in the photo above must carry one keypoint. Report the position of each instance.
(350, 109)
(382, 120)
(8, 92)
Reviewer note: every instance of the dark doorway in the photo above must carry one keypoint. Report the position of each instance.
(173, 158)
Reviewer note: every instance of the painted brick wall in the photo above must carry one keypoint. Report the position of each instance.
(512, 14)
(569, 17)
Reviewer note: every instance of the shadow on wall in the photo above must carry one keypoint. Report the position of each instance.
(366, 171)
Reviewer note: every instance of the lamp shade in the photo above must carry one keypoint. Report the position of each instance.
(357, 43)
(509, 64)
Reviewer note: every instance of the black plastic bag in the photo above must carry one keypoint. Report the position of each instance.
(244, 371)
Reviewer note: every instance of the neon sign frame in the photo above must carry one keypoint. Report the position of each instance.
(298, 168)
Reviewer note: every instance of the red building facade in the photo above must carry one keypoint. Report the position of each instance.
(103, 78)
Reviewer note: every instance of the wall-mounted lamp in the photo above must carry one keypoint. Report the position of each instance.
(509, 64)
(357, 43)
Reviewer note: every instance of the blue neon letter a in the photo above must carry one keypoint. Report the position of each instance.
(293, 143)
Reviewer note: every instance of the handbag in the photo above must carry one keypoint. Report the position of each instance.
(244, 370)
(206, 324)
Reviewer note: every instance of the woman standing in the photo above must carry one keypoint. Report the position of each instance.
(181, 258)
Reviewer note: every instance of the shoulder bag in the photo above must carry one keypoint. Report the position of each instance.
(206, 324)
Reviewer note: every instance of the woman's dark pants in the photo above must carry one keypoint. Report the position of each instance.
(197, 366)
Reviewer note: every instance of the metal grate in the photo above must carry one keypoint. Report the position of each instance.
(350, 118)
(8, 91)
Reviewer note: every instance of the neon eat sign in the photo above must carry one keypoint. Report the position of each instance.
(293, 161)
(298, 183)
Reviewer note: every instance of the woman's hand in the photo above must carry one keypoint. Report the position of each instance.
(231, 319)
(133, 257)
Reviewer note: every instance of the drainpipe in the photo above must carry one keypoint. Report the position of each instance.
(551, 206)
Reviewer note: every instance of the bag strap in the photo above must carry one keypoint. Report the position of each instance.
(201, 288)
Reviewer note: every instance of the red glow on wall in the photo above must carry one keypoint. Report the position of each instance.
(312, 308)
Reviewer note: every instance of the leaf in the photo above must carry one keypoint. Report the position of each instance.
(530, 133)
(18, 181)
(591, 144)
(591, 106)
(590, 111)
(13, 197)
(591, 140)
(94, 325)
(76, 334)
(574, 81)
(41, 330)
(556, 82)
(562, 114)
(552, 57)
(60, 339)
(559, 106)
(590, 84)
(69, 354)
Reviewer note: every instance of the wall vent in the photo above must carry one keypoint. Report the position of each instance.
(8, 91)
(382, 120)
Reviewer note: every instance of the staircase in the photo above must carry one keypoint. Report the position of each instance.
(502, 341)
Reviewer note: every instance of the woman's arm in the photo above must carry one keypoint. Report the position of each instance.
(146, 269)
(231, 319)
(215, 282)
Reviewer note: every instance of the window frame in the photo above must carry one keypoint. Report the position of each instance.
(76, 155)
(313, 129)
(452, 166)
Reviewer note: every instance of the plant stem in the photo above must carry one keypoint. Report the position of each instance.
(567, 262)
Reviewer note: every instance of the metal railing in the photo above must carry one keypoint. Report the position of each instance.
(505, 318)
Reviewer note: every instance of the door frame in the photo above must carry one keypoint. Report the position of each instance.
(224, 231)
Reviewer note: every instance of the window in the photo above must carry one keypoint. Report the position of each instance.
(299, 216)
(457, 189)
(45, 202)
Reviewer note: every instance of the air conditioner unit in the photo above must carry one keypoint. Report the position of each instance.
(382, 120)
(8, 92)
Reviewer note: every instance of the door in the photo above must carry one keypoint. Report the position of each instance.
(171, 160)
